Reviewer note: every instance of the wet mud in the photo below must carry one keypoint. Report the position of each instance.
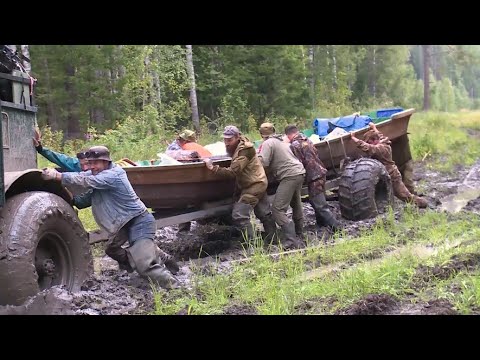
(110, 291)
(463, 262)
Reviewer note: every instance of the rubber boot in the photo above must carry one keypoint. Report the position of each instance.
(299, 228)
(168, 260)
(241, 219)
(290, 240)
(143, 258)
(115, 250)
(270, 230)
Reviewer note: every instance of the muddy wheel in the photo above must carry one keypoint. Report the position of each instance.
(42, 244)
(364, 190)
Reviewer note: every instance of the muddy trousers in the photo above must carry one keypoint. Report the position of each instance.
(323, 214)
(289, 194)
(142, 255)
(401, 191)
(241, 215)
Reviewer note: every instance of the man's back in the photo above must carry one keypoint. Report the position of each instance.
(306, 152)
(279, 158)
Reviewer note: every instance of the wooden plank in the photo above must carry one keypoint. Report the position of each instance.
(15, 78)
(196, 215)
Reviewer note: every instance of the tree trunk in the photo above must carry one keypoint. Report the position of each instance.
(426, 77)
(73, 124)
(311, 57)
(193, 92)
(51, 113)
(374, 65)
(334, 60)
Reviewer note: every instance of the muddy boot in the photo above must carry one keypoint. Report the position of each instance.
(241, 219)
(270, 230)
(143, 258)
(290, 240)
(125, 266)
(420, 202)
(299, 229)
(168, 260)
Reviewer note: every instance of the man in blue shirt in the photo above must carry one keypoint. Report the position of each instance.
(119, 211)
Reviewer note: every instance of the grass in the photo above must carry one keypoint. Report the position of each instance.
(442, 138)
(280, 286)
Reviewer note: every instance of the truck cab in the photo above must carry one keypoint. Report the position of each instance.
(42, 241)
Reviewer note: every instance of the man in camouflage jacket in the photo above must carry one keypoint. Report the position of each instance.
(316, 176)
(377, 146)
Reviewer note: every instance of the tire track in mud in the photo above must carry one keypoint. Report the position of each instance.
(111, 291)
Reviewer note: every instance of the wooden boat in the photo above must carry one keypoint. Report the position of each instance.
(192, 185)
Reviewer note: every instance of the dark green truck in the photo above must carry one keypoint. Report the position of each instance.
(42, 241)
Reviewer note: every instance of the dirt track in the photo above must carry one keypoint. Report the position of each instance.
(111, 291)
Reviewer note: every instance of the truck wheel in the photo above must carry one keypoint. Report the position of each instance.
(42, 244)
(364, 190)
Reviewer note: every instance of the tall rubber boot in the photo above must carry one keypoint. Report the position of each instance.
(290, 240)
(143, 258)
(299, 228)
(115, 250)
(270, 230)
(168, 260)
(241, 219)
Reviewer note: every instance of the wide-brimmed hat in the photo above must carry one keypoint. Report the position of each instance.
(98, 153)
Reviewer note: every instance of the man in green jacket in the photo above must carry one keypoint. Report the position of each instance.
(65, 162)
(278, 159)
(250, 185)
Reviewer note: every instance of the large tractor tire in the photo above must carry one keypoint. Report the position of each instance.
(42, 244)
(364, 190)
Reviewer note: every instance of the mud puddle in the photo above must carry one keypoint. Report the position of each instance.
(385, 304)
(465, 191)
(211, 248)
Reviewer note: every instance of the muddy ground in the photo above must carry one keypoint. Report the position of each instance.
(111, 291)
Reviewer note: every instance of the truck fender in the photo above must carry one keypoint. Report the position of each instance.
(17, 182)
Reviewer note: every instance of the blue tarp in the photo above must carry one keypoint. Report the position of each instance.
(348, 123)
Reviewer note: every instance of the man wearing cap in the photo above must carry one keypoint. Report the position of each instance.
(65, 162)
(118, 210)
(279, 160)
(250, 185)
(188, 141)
(377, 146)
(316, 176)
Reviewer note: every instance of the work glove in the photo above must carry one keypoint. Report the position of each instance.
(50, 174)
(208, 163)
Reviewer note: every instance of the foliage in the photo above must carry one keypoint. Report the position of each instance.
(101, 87)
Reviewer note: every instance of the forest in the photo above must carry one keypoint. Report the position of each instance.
(160, 89)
